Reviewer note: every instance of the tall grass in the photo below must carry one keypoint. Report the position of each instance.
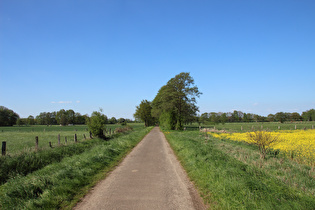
(56, 185)
(27, 162)
(226, 182)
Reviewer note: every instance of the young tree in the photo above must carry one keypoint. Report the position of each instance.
(177, 97)
(264, 140)
(143, 112)
(96, 123)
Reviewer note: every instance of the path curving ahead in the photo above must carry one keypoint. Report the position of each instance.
(150, 177)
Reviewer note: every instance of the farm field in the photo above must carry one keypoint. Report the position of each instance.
(299, 145)
(57, 177)
(22, 139)
(245, 127)
(231, 174)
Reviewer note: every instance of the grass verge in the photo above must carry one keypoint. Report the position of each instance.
(56, 185)
(225, 182)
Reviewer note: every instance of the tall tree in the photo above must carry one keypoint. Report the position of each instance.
(177, 97)
(143, 112)
(8, 117)
(30, 120)
(309, 115)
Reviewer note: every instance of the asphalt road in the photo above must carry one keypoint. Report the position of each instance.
(150, 177)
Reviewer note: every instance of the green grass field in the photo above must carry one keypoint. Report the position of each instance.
(67, 172)
(245, 127)
(231, 175)
(22, 139)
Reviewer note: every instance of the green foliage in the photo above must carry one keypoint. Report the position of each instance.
(96, 123)
(179, 97)
(309, 115)
(143, 112)
(280, 117)
(168, 120)
(7, 117)
(30, 120)
(112, 120)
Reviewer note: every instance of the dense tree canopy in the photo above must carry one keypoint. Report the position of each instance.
(143, 112)
(309, 115)
(8, 117)
(176, 101)
(238, 116)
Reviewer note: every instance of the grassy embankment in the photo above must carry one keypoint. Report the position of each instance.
(231, 175)
(61, 183)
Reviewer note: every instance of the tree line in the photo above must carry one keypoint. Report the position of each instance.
(175, 105)
(239, 116)
(62, 117)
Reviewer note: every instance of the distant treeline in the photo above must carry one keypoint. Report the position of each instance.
(238, 116)
(62, 117)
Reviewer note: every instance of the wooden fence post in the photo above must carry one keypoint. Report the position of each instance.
(312, 126)
(91, 135)
(58, 139)
(241, 128)
(75, 138)
(4, 148)
(84, 136)
(36, 143)
(65, 140)
(295, 127)
(50, 145)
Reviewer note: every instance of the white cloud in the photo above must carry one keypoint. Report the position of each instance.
(78, 101)
(255, 104)
(61, 102)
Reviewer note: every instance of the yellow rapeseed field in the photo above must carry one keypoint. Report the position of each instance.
(297, 144)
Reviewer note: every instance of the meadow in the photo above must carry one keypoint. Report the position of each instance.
(245, 127)
(54, 178)
(230, 173)
(22, 139)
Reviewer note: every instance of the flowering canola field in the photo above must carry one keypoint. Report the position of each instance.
(297, 144)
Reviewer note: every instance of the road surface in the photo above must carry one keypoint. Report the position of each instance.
(150, 177)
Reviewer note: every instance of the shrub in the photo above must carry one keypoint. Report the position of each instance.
(97, 123)
(123, 129)
(264, 140)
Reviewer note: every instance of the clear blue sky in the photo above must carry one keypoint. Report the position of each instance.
(256, 56)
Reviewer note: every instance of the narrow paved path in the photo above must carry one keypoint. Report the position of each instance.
(150, 177)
